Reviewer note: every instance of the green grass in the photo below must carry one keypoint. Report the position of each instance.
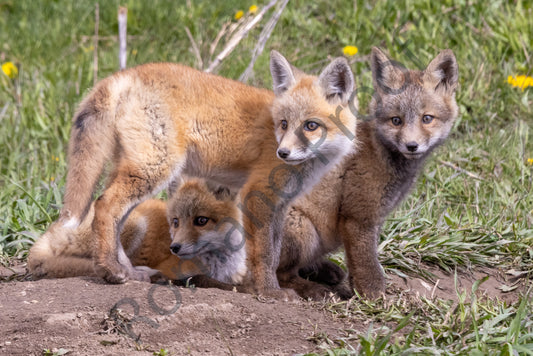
(472, 206)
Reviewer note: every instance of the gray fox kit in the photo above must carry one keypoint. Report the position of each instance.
(411, 113)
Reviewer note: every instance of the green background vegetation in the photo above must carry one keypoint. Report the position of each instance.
(471, 207)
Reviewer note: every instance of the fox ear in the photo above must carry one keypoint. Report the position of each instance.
(442, 72)
(336, 81)
(282, 73)
(174, 185)
(386, 73)
(221, 192)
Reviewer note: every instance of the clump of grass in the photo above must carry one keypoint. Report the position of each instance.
(408, 324)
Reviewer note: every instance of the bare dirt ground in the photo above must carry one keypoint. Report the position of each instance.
(86, 317)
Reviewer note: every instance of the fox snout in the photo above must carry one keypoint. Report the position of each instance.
(411, 146)
(175, 248)
(283, 152)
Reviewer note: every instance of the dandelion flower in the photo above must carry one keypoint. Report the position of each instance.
(350, 50)
(253, 9)
(238, 14)
(530, 161)
(10, 70)
(520, 81)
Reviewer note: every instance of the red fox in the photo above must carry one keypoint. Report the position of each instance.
(190, 238)
(412, 112)
(197, 217)
(158, 121)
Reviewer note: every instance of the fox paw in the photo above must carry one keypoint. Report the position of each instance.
(118, 274)
(325, 272)
(370, 289)
(158, 278)
(111, 274)
(141, 273)
(343, 290)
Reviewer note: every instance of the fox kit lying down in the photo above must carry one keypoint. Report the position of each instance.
(412, 113)
(195, 224)
(157, 121)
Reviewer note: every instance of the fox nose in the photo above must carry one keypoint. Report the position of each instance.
(411, 146)
(175, 248)
(283, 153)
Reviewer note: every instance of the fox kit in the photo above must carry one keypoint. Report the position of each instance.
(193, 234)
(158, 121)
(412, 113)
(203, 218)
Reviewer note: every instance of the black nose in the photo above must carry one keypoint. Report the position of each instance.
(175, 248)
(411, 146)
(283, 153)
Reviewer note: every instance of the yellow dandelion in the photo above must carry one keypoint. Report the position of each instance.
(238, 14)
(10, 70)
(57, 159)
(350, 50)
(88, 49)
(52, 179)
(530, 161)
(520, 81)
(253, 9)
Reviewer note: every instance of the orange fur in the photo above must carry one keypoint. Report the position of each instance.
(157, 121)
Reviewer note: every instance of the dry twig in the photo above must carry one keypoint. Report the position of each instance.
(95, 54)
(122, 37)
(237, 37)
(263, 37)
(459, 169)
(195, 48)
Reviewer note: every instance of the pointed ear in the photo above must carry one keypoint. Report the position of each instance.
(386, 74)
(221, 192)
(282, 73)
(173, 187)
(443, 71)
(336, 81)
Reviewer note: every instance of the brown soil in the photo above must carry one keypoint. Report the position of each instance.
(76, 314)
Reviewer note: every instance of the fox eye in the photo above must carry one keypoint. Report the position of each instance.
(426, 119)
(310, 126)
(200, 220)
(396, 121)
(284, 124)
(175, 223)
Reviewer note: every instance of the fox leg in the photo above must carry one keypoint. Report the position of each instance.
(263, 221)
(360, 243)
(129, 186)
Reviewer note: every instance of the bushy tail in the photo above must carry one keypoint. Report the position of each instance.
(92, 144)
(44, 263)
(64, 252)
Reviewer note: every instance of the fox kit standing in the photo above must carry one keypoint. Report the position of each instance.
(157, 121)
(412, 113)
